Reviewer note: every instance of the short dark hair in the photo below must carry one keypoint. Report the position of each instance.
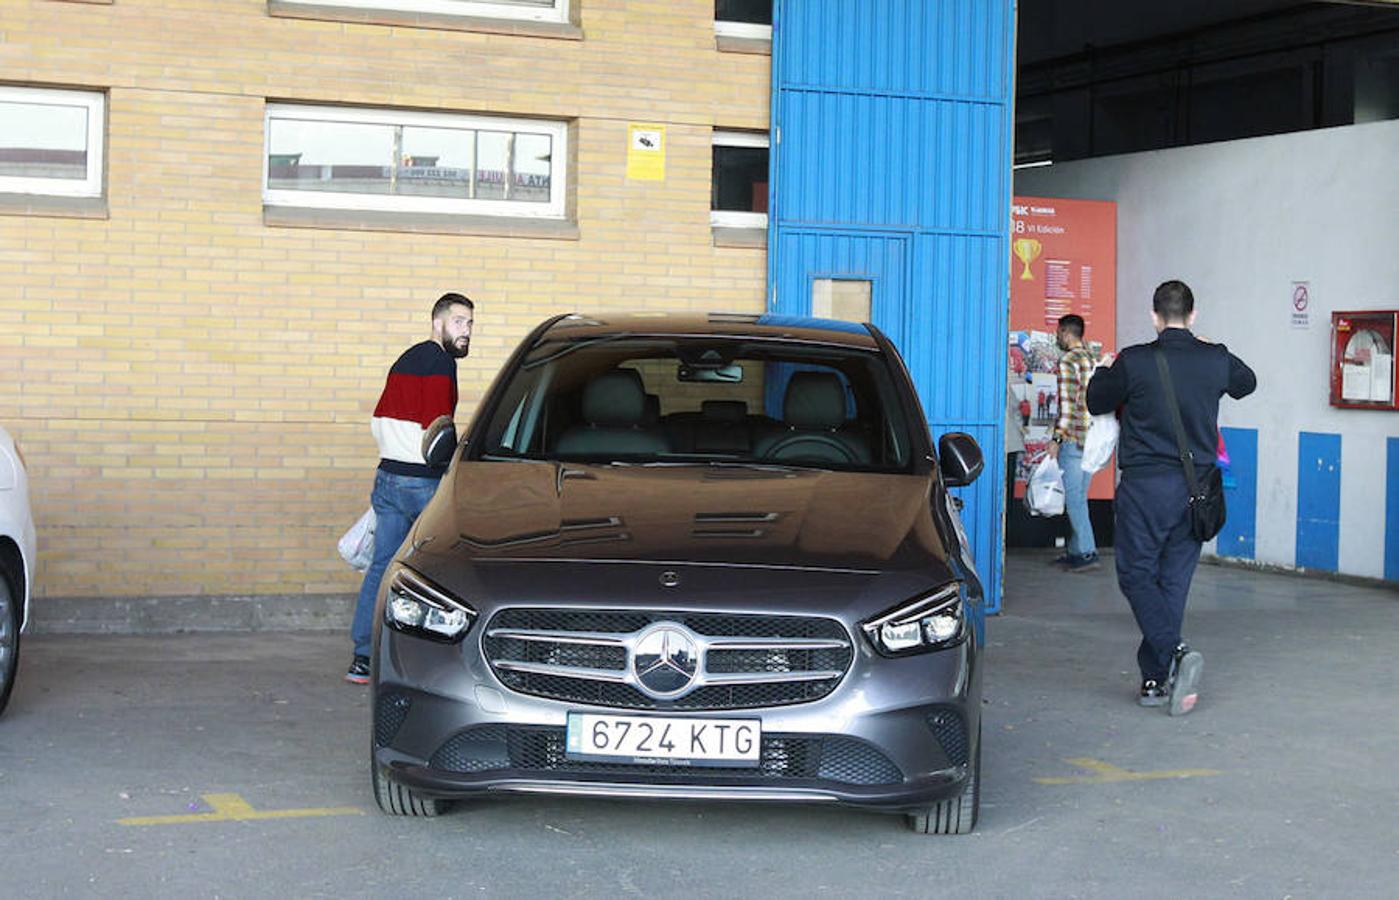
(449, 300)
(1072, 324)
(1173, 301)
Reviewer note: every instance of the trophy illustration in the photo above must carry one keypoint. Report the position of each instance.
(1028, 250)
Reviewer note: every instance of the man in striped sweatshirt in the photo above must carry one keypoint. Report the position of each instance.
(421, 386)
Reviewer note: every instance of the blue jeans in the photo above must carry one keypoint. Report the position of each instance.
(1081, 542)
(1156, 558)
(397, 501)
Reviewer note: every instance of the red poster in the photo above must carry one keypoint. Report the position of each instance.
(1063, 260)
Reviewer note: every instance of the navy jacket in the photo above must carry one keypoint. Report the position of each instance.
(1201, 373)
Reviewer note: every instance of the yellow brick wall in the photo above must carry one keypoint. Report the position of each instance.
(192, 387)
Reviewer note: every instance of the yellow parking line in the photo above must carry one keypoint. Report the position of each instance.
(1107, 773)
(233, 808)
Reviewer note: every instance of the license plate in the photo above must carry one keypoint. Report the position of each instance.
(664, 740)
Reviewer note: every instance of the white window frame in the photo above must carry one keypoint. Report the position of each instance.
(558, 163)
(749, 30)
(481, 8)
(96, 104)
(728, 218)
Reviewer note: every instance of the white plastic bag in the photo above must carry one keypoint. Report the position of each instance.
(1044, 492)
(357, 545)
(1100, 442)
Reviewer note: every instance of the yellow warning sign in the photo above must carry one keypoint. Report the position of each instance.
(645, 152)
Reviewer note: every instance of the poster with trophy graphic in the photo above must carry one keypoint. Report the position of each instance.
(1063, 260)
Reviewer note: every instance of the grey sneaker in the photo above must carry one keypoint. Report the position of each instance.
(1153, 693)
(1186, 667)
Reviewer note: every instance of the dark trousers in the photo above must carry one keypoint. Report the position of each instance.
(1156, 558)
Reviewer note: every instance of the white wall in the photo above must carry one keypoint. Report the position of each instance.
(1239, 222)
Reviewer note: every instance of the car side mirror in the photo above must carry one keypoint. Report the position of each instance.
(439, 441)
(960, 458)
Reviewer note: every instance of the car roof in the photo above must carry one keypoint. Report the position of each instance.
(804, 329)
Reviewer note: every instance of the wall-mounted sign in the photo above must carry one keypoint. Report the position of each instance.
(1299, 304)
(1063, 260)
(645, 152)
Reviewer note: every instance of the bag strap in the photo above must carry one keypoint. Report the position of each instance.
(1187, 458)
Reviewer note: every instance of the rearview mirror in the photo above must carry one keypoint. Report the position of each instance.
(730, 374)
(439, 441)
(960, 458)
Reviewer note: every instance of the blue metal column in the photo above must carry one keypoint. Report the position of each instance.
(891, 152)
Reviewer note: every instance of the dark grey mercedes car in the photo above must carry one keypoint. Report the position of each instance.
(702, 557)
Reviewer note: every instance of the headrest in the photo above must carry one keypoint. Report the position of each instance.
(724, 410)
(615, 399)
(814, 400)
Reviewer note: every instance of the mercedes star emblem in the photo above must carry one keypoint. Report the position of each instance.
(665, 660)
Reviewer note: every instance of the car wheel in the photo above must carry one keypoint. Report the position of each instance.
(957, 815)
(9, 638)
(397, 800)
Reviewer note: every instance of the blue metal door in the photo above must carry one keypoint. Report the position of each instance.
(891, 131)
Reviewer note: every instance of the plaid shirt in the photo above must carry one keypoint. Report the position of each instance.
(1075, 368)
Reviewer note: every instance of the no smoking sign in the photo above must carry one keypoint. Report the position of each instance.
(1301, 300)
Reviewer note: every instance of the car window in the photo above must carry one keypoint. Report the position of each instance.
(693, 399)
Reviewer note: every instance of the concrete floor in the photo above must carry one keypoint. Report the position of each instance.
(1294, 788)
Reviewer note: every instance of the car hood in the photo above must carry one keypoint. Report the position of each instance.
(848, 522)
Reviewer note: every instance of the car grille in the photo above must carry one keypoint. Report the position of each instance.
(540, 750)
(389, 714)
(585, 656)
(951, 732)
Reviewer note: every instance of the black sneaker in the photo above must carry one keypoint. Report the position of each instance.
(1088, 562)
(1153, 693)
(359, 671)
(1184, 681)
(1063, 560)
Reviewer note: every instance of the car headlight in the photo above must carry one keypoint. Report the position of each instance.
(924, 623)
(418, 607)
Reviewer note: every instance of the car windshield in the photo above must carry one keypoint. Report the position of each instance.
(682, 400)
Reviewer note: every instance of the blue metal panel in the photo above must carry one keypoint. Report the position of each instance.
(921, 163)
(891, 161)
(1391, 511)
(1240, 493)
(1318, 500)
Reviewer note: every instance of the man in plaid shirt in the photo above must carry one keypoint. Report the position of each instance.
(1066, 444)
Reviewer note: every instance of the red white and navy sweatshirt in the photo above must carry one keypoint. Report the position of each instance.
(422, 385)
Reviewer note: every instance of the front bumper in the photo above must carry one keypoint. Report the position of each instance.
(896, 734)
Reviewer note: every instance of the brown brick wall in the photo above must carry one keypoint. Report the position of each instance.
(192, 387)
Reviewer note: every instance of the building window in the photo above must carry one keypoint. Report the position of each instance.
(51, 142)
(398, 161)
(743, 19)
(530, 10)
(739, 192)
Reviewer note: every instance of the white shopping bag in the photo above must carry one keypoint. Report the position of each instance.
(1100, 442)
(357, 544)
(1044, 492)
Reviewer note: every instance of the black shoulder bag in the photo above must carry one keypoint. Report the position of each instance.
(1207, 512)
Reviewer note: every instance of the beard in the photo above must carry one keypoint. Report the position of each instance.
(457, 349)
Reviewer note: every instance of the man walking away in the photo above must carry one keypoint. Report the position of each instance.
(1156, 551)
(421, 386)
(1066, 443)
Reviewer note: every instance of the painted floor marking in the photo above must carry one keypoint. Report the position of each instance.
(233, 808)
(1107, 773)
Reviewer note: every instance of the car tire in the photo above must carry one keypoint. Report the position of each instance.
(397, 800)
(9, 637)
(957, 815)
